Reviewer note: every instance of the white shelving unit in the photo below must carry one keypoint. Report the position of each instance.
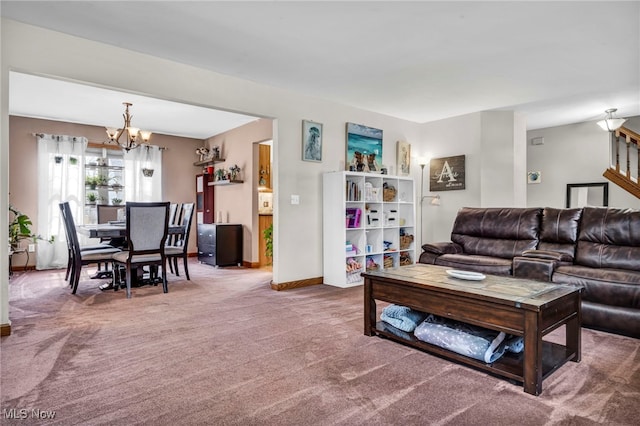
(104, 180)
(384, 236)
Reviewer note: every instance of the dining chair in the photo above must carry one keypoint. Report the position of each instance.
(65, 211)
(175, 210)
(106, 214)
(147, 229)
(179, 247)
(79, 256)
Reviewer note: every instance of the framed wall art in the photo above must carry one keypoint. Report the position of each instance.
(311, 141)
(403, 158)
(534, 177)
(447, 173)
(588, 194)
(364, 148)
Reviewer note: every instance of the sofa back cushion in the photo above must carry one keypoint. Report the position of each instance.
(559, 230)
(609, 238)
(498, 232)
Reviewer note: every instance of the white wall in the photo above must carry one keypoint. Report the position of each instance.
(297, 228)
(444, 138)
(503, 138)
(576, 153)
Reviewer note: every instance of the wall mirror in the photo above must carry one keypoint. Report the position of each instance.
(588, 194)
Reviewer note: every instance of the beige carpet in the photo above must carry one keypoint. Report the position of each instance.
(225, 349)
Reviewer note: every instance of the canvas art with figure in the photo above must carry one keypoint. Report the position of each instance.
(311, 141)
(364, 148)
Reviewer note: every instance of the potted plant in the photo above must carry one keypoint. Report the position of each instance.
(92, 197)
(235, 172)
(20, 228)
(268, 238)
(116, 201)
(91, 181)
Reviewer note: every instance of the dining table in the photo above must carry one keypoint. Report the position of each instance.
(118, 229)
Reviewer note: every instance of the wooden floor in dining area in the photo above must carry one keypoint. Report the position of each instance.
(226, 349)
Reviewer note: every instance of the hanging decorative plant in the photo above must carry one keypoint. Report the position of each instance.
(147, 170)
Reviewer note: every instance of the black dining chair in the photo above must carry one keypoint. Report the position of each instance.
(65, 211)
(81, 256)
(147, 229)
(106, 214)
(178, 249)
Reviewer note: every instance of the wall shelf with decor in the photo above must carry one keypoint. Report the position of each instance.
(225, 182)
(368, 224)
(209, 162)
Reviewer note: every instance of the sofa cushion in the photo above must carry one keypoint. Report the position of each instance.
(614, 287)
(609, 238)
(613, 319)
(497, 232)
(477, 263)
(559, 231)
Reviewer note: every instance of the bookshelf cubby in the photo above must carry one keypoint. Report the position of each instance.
(368, 223)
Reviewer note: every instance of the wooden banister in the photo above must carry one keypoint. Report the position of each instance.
(624, 178)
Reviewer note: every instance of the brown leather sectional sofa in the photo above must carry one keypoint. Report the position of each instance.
(595, 248)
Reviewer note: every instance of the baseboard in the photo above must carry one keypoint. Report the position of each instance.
(297, 284)
(5, 329)
(248, 264)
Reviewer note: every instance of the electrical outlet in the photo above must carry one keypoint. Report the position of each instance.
(32, 248)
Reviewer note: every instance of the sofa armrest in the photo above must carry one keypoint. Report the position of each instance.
(534, 268)
(442, 248)
(549, 255)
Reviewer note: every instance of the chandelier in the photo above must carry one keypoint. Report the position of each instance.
(610, 123)
(135, 137)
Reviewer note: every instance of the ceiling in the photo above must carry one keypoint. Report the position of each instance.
(555, 62)
(46, 98)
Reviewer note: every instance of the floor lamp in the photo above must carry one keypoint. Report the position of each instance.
(435, 201)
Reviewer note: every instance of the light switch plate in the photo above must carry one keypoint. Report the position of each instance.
(295, 199)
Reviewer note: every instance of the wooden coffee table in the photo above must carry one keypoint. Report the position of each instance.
(515, 306)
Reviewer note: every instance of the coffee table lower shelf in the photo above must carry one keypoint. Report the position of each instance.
(510, 365)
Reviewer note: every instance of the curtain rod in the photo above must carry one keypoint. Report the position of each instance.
(161, 148)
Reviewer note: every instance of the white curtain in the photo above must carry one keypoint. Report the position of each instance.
(60, 178)
(138, 186)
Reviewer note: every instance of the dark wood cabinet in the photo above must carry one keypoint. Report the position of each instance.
(204, 199)
(220, 244)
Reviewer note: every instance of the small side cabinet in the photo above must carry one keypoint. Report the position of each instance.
(220, 244)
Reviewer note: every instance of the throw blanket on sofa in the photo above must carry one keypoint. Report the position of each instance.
(466, 339)
(401, 317)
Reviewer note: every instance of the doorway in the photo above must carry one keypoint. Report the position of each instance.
(264, 200)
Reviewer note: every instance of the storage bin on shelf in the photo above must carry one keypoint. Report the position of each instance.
(353, 268)
(405, 241)
(388, 192)
(371, 264)
(405, 258)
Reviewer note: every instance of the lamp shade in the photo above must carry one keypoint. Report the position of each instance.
(610, 123)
